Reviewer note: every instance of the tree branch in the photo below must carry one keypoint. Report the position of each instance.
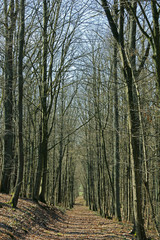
(130, 9)
(110, 19)
(141, 66)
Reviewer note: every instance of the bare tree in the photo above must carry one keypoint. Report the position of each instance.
(10, 12)
(134, 121)
(116, 124)
(15, 197)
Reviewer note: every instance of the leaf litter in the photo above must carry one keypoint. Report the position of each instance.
(32, 221)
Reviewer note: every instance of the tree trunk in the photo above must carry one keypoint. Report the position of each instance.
(116, 125)
(39, 168)
(42, 161)
(116, 139)
(61, 151)
(44, 103)
(15, 197)
(8, 102)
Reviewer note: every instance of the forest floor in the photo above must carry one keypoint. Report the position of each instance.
(39, 222)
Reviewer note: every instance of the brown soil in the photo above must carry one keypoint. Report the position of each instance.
(39, 222)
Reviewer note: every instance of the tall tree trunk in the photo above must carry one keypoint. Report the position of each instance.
(15, 197)
(61, 146)
(116, 124)
(44, 144)
(42, 161)
(8, 102)
(116, 138)
(96, 95)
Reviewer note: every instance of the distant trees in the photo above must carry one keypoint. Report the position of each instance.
(39, 67)
(133, 143)
(133, 70)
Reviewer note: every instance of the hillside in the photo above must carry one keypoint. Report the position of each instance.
(39, 222)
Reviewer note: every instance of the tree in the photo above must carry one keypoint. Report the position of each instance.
(9, 23)
(61, 145)
(116, 125)
(134, 121)
(153, 35)
(153, 39)
(15, 197)
(57, 39)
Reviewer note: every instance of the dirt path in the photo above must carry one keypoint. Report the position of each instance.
(81, 223)
(33, 221)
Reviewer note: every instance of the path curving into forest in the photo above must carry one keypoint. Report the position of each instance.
(81, 223)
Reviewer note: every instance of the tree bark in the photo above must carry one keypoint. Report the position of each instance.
(8, 102)
(15, 197)
(116, 124)
(116, 139)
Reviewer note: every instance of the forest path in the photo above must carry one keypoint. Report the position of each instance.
(32, 221)
(81, 223)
